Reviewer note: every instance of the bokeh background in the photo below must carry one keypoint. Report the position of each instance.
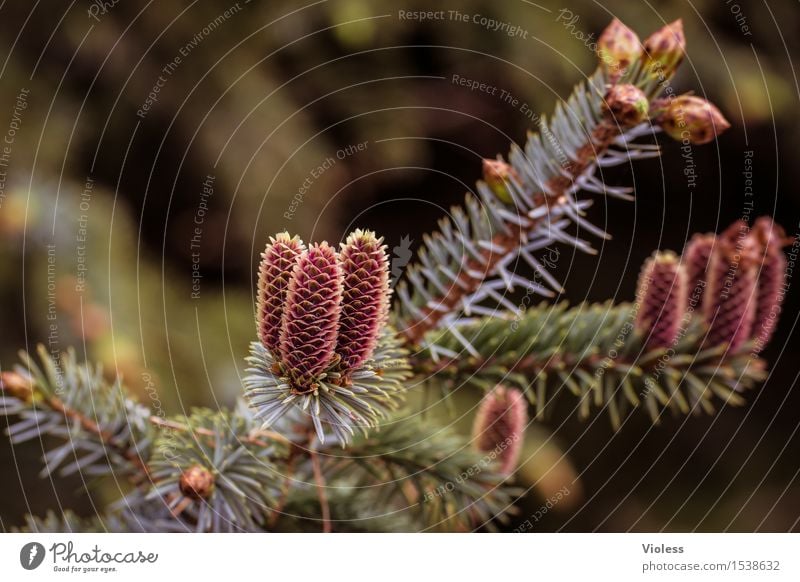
(132, 124)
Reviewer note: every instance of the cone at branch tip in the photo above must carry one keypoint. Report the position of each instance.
(771, 239)
(365, 297)
(661, 296)
(729, 301)
(500, 425)
(311, 316)
(277, 265)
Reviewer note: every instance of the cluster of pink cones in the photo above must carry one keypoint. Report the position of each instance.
(319, 310)
(736, 280)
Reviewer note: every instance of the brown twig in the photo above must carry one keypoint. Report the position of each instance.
(323, 498)
(254, 438)
(504, 243)
(105, 437)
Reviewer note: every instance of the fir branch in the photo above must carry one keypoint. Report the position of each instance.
(427, 471)
(99, 425)
(527, 205)
(595, 354)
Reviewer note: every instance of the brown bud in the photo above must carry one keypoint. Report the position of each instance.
(497, 174)
(693, 119)
(16, 385)
(197, 483)
(626, 105)
(617, 48)
(664, 49)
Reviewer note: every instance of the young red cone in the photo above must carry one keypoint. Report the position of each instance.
(365, 298)
(500, 426)
(696, 258)
(661, 295)
(771, 279)
(311, 316)
(275, 271)
(731, 294)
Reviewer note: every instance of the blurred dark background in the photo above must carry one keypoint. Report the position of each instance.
(120, 113)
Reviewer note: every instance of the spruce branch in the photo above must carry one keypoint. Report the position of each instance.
(531, 202)
(100, 428)
(594, 354)
(429, 472)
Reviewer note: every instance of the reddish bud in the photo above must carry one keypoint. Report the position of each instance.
(365, 297)
(664, 49)
(311, 316)
(661, 295)
(497, 174)
(692, 119)
(617, 47)
(16, 385)
(626, 105)
(500, 425)
(274, 272)
(196, 483)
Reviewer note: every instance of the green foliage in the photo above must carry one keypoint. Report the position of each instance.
(94, 422)
(245, 481)
(369, 395)
(428, 472)
(593, 353)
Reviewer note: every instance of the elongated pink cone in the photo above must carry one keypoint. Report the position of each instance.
(696, 258)
(311, 316)
(771, 279)
(365, 298)
(661, 294)
(500, 425)
(731, 294)
(274, 272)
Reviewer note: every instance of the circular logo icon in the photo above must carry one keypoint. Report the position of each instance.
(31, 555)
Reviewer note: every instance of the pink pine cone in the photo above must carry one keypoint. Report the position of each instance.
(661, 294)
(500, 425)
(311, 316)
(771, 279)
(696, 258)
(365, 298)
(730, 298)
(274, 272)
